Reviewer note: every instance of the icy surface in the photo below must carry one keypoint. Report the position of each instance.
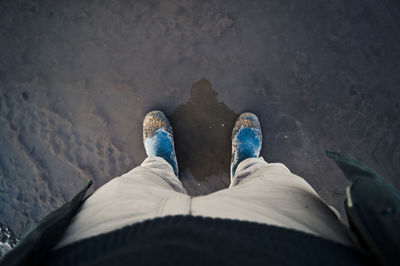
(7, 240)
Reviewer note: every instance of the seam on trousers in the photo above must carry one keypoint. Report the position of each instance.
(190, 205)
(161, 207)
(163, 178)
(256, 170)
(236, 180)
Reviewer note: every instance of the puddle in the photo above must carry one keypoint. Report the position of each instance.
(202, 129)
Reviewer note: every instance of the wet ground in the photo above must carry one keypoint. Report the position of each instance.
(78, 77)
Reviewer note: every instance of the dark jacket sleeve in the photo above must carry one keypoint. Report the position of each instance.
(41, 238)
(373, 209)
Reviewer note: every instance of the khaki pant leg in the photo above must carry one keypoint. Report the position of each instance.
(148, 191)
(269, 193)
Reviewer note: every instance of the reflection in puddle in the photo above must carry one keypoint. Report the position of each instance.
(202, 129)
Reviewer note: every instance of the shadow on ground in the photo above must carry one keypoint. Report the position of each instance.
(202, 129)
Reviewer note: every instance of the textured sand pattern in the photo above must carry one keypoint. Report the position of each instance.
(45, 158)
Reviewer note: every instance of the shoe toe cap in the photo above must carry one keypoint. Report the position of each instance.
(155, 120)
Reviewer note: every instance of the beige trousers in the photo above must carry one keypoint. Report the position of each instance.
(260, 192)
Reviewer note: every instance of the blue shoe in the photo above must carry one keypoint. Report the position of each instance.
(158, 138)
(246, 140)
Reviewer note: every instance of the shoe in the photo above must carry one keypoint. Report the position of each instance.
(246, 140)
(158, 138)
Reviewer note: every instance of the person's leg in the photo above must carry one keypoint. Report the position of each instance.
(148, 191)
(269, 193)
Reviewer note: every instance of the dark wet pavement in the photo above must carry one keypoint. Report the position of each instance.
(77, 78)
